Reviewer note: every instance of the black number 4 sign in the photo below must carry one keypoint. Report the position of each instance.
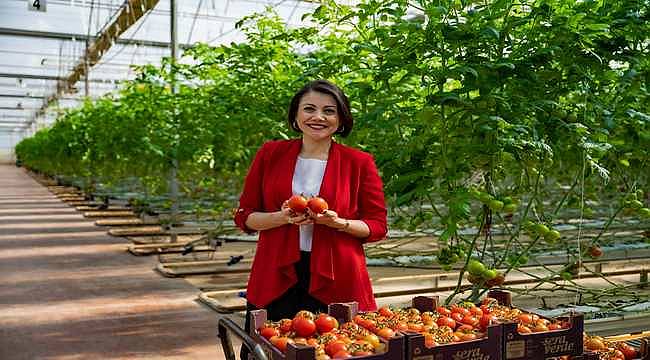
(37, 5)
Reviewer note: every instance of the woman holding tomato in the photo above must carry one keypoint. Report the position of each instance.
(307, 260)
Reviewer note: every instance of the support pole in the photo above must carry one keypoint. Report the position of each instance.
(173, 176)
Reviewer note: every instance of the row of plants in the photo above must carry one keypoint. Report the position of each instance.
(482, 116)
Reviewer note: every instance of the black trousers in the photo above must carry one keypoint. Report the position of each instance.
(293, 300)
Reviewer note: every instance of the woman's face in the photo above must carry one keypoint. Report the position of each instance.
(317, 116)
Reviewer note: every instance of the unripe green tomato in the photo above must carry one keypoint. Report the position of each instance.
(461, 254)
(644, 212)
(485, 197)
(474, 193)
(506, 200)
(528, 224)
(495, 205)
(552, 236)
(639, 193)
(523, 260)
(489, 274)
(566, 275)
(541, 229)
(453, 258)
(475, 267)
(510, 208)
(635, 204)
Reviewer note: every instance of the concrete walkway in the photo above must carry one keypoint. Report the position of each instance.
(69, 291)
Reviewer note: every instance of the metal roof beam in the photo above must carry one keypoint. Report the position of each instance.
(50, 77)
(81, 37)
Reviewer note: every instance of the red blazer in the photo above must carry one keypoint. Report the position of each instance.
(352, 187)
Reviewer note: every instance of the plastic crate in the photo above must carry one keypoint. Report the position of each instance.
(343, 312)
(544, 345)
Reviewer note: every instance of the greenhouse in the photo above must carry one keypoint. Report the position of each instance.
(325, 179)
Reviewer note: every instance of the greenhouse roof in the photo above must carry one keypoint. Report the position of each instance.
(42, 50)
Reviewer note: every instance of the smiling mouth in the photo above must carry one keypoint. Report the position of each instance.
(317, 126)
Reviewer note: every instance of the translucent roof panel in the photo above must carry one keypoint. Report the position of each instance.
(39, 49)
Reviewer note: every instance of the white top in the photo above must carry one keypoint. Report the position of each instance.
(307, 178)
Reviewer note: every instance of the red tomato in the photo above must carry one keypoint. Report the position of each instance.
(325, 323)
(470, 320)
(526, 319)
(460, 310)
(385, 333)
(487, 320)
(341, 355)
(298, 204)
(554, 326)
(443, 311)
(476, 311)
(628, 351)
(446, 321)
(458, 317)
(385, 311)
(595, 251)
(303, 326)
(317, 205)
(268, 332)
(281, 342)
(334, 347)
(285, 325)
(485, 309)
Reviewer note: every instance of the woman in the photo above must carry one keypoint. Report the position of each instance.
(306, 261)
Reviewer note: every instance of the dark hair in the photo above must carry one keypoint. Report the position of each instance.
(346, 122)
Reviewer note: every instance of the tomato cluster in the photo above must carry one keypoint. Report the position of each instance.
(449, 255)
(503, 204)
(526, 322)
(458, 323)
(323, 332)
(610, 350)
(607, 350)
(299, 204)
(480, 274)
(550, 235)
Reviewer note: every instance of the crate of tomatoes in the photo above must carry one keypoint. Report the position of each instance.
(528, 336)
(323, 336)
(599, 348)
(434, 332)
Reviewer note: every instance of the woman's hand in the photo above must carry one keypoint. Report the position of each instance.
(291, 217)
(329, 218)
